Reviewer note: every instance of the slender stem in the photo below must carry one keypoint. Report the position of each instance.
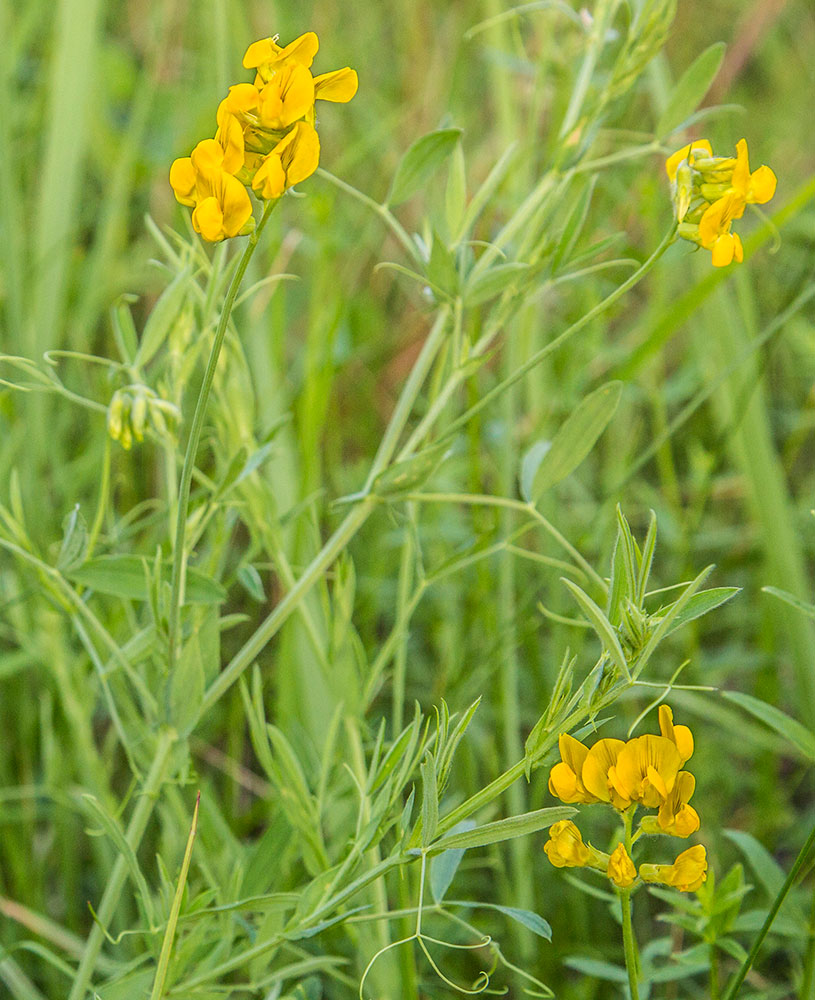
(747, 964)
(808, 979)
(629, 944)
(344, 533)
(629, 941)
(382, 211)
(179, 556)
(404, 406)
(133, 835)
(529, 509)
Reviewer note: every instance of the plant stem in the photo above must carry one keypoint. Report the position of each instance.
(133, 835)
(747, 964)
(179, 556)
(629, 941)
(347, 529)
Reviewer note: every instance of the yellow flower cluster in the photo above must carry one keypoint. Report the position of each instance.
(643, 772)
(709, 192)
(266, 138)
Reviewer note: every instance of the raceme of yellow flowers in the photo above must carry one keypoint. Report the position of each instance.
(646, 772)
(709, 192)
(266, 138)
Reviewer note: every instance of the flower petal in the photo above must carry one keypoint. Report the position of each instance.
(338, 86)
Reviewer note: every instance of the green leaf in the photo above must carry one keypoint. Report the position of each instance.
(601, 625)
(701, 603)
(74, 546)
(596, 968)
(576, 437)
(455, 198)
(792, 730)
(526, 918)
(187, 686)
(406, 476)
(443, 867)
(162, 317)
(250, 580)
(529, 467)
(494, 281)
(114, 831)
(791, 599)
(503, 829)
(124, 576)
(691, 88)
(441, 268)
(768, 871)
(430, 800)
(420, 162)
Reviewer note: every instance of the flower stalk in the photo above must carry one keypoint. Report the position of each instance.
(179, 555)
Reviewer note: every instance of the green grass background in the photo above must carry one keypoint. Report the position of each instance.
(96, 100)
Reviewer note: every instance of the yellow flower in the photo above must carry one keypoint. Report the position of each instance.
(646, 770)
(565, 847)
(600, 773)
(289, 95)
(266, 56)
(621, 868)
(714, 230)
(686, 874)
(221, 204)
(269, 59)
(675, 816)
(709, 191)
(565, 778)
(690, 153)
(292, 160)
(754, 188)
(681, 736)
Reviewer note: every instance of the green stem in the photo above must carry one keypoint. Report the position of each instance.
(808, 979)
(133, 835)
(747, 964)
(179, 557)
(347, 529)
(629, 941)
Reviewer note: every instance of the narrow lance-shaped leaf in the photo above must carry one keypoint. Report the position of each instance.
(601, 625)
(691, 88)
(420, 162)
(503, 829)
(430, 800)
(792, 730)
(577, 436)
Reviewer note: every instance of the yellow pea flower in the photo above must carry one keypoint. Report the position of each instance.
(292, 160)
(621, 868)
(754, 188)
(600, 773)
(267, 57)
(646, 770)
(338, 86)
(709, 192)
(222, 207)
(565, 778)
(675, 816)
(565, 847)
(714, 231)
(681, 736)
(289, 95)
(690, 153)
(686, 874)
